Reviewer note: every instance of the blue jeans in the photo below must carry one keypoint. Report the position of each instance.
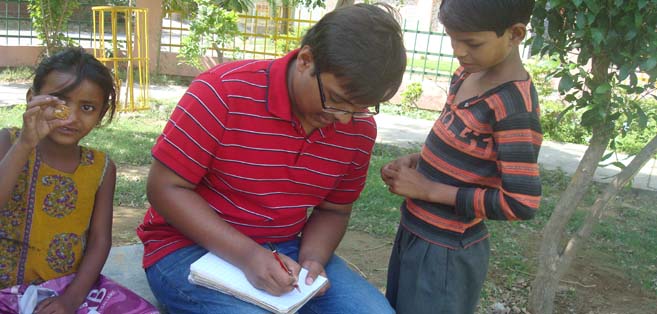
(349, 293)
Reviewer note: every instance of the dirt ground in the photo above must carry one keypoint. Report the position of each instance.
(589, 288)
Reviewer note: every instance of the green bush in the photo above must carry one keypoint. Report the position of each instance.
(562, 126)
(638, 136)
(565, 127)
(411, 95)
(540, 70)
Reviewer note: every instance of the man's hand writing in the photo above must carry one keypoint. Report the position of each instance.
(265, 273)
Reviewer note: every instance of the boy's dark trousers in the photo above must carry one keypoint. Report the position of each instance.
(428, 278)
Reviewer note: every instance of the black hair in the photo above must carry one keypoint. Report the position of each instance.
(362, 46)
(84, 66)
(484, 15)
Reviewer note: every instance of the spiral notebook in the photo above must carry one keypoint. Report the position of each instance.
(213, 272)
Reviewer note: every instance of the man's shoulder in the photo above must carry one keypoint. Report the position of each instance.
(244, 77)
(236, 70)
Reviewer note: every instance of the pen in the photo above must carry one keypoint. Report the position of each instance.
(280, 262)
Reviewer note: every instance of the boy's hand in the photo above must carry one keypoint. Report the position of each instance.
(405, 181)
(265, 273)
(315, 269)
(408, 161)
(55, 305)
(40, 119)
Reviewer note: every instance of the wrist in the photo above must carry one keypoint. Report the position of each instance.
(73, 299)
(311, 256)
(252, 255)
(306, 262)
(23, 146)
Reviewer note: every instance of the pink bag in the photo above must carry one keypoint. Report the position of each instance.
(106, 296)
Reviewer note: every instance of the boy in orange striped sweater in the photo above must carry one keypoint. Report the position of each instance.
(478, 162)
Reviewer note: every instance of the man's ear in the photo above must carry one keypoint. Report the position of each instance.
(518, 32)
(29, 94)
(305, 58)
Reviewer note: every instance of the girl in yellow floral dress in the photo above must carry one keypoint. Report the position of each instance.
(56, 196)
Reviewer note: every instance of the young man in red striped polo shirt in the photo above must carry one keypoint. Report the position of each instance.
(478, 162)
(252, 145)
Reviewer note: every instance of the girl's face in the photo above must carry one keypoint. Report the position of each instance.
(85, 103)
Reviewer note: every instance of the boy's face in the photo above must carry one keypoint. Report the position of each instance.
(306, 90)
(479, 51)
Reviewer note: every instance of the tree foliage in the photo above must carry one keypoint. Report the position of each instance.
(211, 27)
(50, 21)
(214, 23)
(603, 46)
(618, 36)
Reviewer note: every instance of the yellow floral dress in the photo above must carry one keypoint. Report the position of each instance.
(43, 228)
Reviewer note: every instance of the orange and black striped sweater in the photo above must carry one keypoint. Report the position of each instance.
(488, 147)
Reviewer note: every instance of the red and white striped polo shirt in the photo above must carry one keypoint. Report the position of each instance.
(233, 134)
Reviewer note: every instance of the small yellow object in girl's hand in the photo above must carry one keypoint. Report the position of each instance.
(62, 112)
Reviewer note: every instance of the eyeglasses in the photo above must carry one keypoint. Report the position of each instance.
(356, 114)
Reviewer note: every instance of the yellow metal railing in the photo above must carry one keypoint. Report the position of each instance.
(263, 34)
(127, 28)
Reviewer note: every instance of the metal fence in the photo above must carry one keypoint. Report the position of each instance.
(18, 31)
(428, 53)
(265, 33)
(268, 36)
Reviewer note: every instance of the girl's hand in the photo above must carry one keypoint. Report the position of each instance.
(39, 119)
(55, 305)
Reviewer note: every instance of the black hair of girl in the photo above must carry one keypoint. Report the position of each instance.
(84, 66)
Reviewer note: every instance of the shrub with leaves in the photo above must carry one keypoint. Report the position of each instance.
(411, 95)
(211, 27)
(50, 21)
(541, 71)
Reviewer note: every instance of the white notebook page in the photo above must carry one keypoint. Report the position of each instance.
(214, 272)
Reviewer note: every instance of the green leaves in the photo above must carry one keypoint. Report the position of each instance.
(649, 64)
(604, 47)
(565, 84)
(604, 88)
(50, 21)
(210, 29)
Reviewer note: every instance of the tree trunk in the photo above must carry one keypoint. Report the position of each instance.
(342, 3)
(551, 266)
(601, 202)
(549, 272)
(285, 22)
(548, 283)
